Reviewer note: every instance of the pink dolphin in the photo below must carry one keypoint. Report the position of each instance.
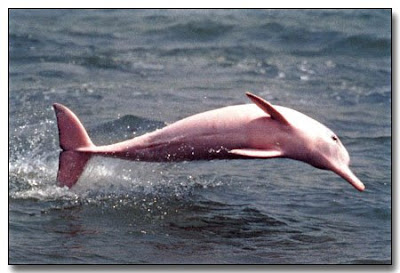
(258, 130)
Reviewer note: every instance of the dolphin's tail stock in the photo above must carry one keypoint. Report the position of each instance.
(75, 143)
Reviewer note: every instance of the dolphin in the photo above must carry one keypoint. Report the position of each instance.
(259, 130)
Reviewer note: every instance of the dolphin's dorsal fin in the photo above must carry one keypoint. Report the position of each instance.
(267, 108)
(257, 153)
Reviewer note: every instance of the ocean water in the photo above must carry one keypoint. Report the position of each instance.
(127, 72)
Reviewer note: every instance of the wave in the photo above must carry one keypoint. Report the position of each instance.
(360, 45)
(307, 42)
(210, 216)
(355, 45)
(226, 56)
(125, 127)
(290, 37)
(193, 31)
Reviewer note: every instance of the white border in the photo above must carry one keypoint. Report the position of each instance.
(176, 4)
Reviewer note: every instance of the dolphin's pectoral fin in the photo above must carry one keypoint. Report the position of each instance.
(267, 108)
(255, 153)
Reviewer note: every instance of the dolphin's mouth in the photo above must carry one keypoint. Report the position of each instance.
(348, 175)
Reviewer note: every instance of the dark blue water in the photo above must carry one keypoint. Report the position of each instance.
(127, 72)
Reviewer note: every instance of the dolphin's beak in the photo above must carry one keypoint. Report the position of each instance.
(347, 174)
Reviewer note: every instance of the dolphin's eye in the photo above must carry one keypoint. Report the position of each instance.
(335, 138)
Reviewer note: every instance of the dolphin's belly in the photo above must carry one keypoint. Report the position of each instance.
(190, 148)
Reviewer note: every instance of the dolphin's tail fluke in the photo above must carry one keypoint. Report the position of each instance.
(76, 146)
(71, 166)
